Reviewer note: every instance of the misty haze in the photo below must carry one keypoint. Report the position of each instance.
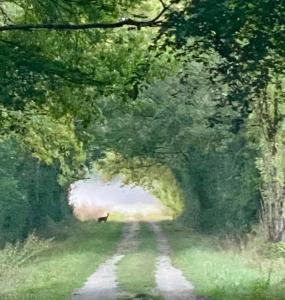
(92, 198)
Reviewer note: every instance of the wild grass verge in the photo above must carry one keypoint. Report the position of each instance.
(223, 271)
(12, 257)
(45, 270)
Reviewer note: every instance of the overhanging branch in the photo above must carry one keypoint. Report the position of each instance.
(67, 26)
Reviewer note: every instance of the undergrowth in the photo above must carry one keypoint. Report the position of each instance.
(45, 269)
(222, 269)
(12, 257)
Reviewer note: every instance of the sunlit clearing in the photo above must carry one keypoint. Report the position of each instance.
(94, 198)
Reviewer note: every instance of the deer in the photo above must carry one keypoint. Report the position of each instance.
(103, 219)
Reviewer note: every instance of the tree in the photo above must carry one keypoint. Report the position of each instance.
(49, 87)
(249, 36)
(29, 193)
(173, 124)
(50, 81)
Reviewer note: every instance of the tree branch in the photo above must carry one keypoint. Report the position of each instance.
(162, 3)
(5, 15)
(68, 26)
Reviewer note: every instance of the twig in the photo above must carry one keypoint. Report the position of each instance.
(162, 3)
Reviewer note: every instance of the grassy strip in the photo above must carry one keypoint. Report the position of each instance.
(57, 272)
(136, 271)
(225, 273)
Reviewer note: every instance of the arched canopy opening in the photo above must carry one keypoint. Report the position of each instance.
(94, 198)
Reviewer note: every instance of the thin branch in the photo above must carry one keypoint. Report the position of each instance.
(5, 15)
(186, 157)
(162, 3)
(67, 26)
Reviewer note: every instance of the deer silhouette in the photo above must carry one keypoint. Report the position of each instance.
(103, 219)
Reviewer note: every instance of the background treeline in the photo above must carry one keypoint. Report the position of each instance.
(29, 193)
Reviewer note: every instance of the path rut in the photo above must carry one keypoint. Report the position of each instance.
(102, 285)
(170, 281)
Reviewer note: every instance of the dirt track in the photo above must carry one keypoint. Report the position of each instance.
(170, 282)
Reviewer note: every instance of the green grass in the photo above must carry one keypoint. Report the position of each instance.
(136, 271)
(58, 271)
(223, 272)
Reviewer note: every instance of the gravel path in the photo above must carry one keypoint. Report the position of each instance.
(102, 285)
(171, 283)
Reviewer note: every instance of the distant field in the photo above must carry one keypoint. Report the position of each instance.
(54, 274)
(223, 272)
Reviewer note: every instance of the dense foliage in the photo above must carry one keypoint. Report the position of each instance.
(192, 110)
(29, 193)
(171, 124)
(249, 38)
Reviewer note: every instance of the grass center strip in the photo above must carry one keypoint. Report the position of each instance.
(136, 271)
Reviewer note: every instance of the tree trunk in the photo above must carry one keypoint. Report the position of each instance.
(273, 194)
(272, 162)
